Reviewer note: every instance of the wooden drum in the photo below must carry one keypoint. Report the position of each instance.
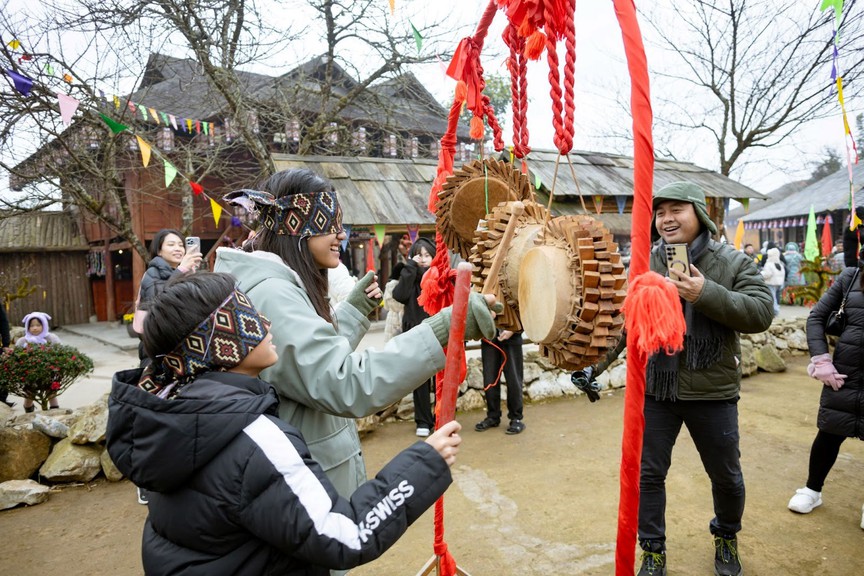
(571, 288)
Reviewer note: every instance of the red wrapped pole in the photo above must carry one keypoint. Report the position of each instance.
(455, 345)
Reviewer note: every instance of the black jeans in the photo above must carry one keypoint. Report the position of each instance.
(492, 360)
(823, 455)
(713, 425)
(423, 416)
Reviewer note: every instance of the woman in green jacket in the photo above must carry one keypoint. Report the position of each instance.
(323, 383)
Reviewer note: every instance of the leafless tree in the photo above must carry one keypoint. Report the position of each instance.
(749, 73)
(86, 166)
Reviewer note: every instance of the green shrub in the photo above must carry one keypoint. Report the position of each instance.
(43, 371)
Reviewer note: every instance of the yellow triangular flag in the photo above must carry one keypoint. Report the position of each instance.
(392, 7)
(739, 234)
(14, 44)
(145, 151)
(154, 115)
(217, 211)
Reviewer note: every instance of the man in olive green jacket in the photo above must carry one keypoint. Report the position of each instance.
(723, 294)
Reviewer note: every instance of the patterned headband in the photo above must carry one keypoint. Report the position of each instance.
(219, 343)
(312, 214)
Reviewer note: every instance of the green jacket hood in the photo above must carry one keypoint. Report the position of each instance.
(252, 268)
(686, 192)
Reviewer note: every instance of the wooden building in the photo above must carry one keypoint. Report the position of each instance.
(48, 249)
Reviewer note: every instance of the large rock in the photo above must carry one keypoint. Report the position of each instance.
(72, 463)
(748, 358)
(614, 377)
(471, 400)
(552, 385)
(108, 468)
(23, 450)
(769, 360)
(474, 376)
(797, 340)
(6, 414)
(531, 372)
(15, 492)
(50, 426)
(90, 427)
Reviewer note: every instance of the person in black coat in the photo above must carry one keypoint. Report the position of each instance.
(852, 239)
(407, 291)
(233, 489)
(841, 406)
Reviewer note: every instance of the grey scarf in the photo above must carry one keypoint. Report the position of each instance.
(703, 342)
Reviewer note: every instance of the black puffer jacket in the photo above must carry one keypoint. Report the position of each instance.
(407, 291)
(841, 412)
(235, 491)
(154, 279)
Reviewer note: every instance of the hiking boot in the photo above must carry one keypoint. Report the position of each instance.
(726, 559)
(486, 424)
(516, 427)
(805, 500)
(653, 564)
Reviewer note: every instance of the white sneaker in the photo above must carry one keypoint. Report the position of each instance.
(422, 432)
(143, 497)
(805, 500)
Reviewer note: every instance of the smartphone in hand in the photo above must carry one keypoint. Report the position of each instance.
(677, 258)
(193, 244)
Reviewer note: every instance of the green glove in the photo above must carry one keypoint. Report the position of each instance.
(357, 297)
(478, 324)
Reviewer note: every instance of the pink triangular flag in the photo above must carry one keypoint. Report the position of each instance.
(145, 151)
(68, 106)
(173, 121)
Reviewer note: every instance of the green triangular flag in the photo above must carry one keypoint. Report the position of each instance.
(811, 244)
(537, 182)
(164, 118)
(115, 127)
(206, 127)
(143, 110)
(170, 172)
(48, 69)
(418, 39)
(746, 203)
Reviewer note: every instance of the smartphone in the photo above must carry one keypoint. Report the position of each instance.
(677, 258)
(193, 244)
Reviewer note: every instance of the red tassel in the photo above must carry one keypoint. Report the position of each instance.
(653, 315)
(534, 45)
(526, 28)
(461, 92)
(477, 128)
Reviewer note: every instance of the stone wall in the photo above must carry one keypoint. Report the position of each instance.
(63, 446)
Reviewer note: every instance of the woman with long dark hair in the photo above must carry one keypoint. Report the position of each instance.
(322, 382)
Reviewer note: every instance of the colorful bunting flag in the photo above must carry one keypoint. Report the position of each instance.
(197, 189)
(392, 7)
(739, 235)
(598, 203)
(173, 121)
(621, 200)
(811, 249)
(22, 83)
(370, 256)
(154, 115)
(170, 172)
(48, 69)
(115, 126)
(67, 78)
(347, 229)
(217, 211)
(68, 106)
(827, 240)
(413, 232)
(418, 39)
(143, 110)
(379, 234)
(116, 103)
(537, 181)
(145, 150)
(14, 44)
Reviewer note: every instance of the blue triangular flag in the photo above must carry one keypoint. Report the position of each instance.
(622, 202)
(22, 83)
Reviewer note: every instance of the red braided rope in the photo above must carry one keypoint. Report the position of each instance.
(569, 75)
(555, 93)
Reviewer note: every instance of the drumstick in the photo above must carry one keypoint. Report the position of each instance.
(455, 345)
(503, 246)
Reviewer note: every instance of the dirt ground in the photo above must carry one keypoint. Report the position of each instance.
(544, 502)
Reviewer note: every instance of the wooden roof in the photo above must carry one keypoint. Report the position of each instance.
(374, 190)
(396, 191)
(826, 195)
(40, 231)
(612, 175)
